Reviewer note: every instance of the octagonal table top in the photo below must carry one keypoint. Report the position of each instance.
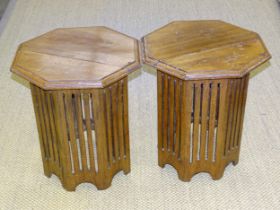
(74, 58)
(204, 49)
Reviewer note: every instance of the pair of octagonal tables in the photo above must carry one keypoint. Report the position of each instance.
(78, 80)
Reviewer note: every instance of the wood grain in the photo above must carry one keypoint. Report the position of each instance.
(204, 50)
(71, 58)
(70, 148)
(209, 131)
(203, 68)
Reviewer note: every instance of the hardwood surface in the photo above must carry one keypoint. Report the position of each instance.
(71, 58)
(78, 79)
(203, 71)
(202, 78)
(70, 147)
(204, 50)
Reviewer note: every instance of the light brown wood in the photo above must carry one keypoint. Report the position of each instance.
(88, 116)
(207, 138)
(71, 58)
(68, 105)
(177, 120)
(204, 118)
(203, 72)
(204, 50)
(65, 152)
(160, 117)
(126, 127)
(109, 134)
(78, 80)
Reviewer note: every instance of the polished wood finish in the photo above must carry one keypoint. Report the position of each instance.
(71, 58)
(78, 80)
(204, 50)
(75, 131)
(202, 79)
(200, 123)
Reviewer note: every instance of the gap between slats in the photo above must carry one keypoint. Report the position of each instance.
(113, 97)
(81, 138)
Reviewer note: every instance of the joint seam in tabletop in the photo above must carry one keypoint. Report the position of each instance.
(221, 46)
(50, 54)
(162, 66)
(28, 49)
(129, 67)
(230, 73)
(156, 62)
(120, 68)
(36, 79)
(33, 60)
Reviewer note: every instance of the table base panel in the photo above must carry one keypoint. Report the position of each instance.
(200, 123)
(83, 133)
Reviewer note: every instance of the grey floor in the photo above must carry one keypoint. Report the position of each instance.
(3, 6)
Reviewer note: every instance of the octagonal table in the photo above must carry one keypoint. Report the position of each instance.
(78, 79)
(202, 78)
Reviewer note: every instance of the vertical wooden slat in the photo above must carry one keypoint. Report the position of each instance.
(239, 111)
(47, 124)
(197, 91)
(115, 120)
(107, 139)
(109, 129)
(160, 111)
(52, 102)
(216, 121)
(52, 126)
(204, 119)
(235, 111)
(178, 117)
(94, 140)
(171, 115)
(71, 129)
(245, 89)
(81, 130)
(120, 119)
(183, 137)
(222, 119)
(125, 123)
(189, 104)
(43, 123)
(165, 112)
(232, 114)
(89, 131)
(35, 98)
(186, 120)
(100, 133)
(212, 120)
(60, 116)
(229, 118)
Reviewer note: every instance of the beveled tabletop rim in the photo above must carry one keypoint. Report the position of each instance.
(119, 73)
(190, 75)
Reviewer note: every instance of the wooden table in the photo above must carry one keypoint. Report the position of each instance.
(202, 79)
(78, 80)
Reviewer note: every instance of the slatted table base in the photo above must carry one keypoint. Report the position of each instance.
(83, 133)
(200, 123)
